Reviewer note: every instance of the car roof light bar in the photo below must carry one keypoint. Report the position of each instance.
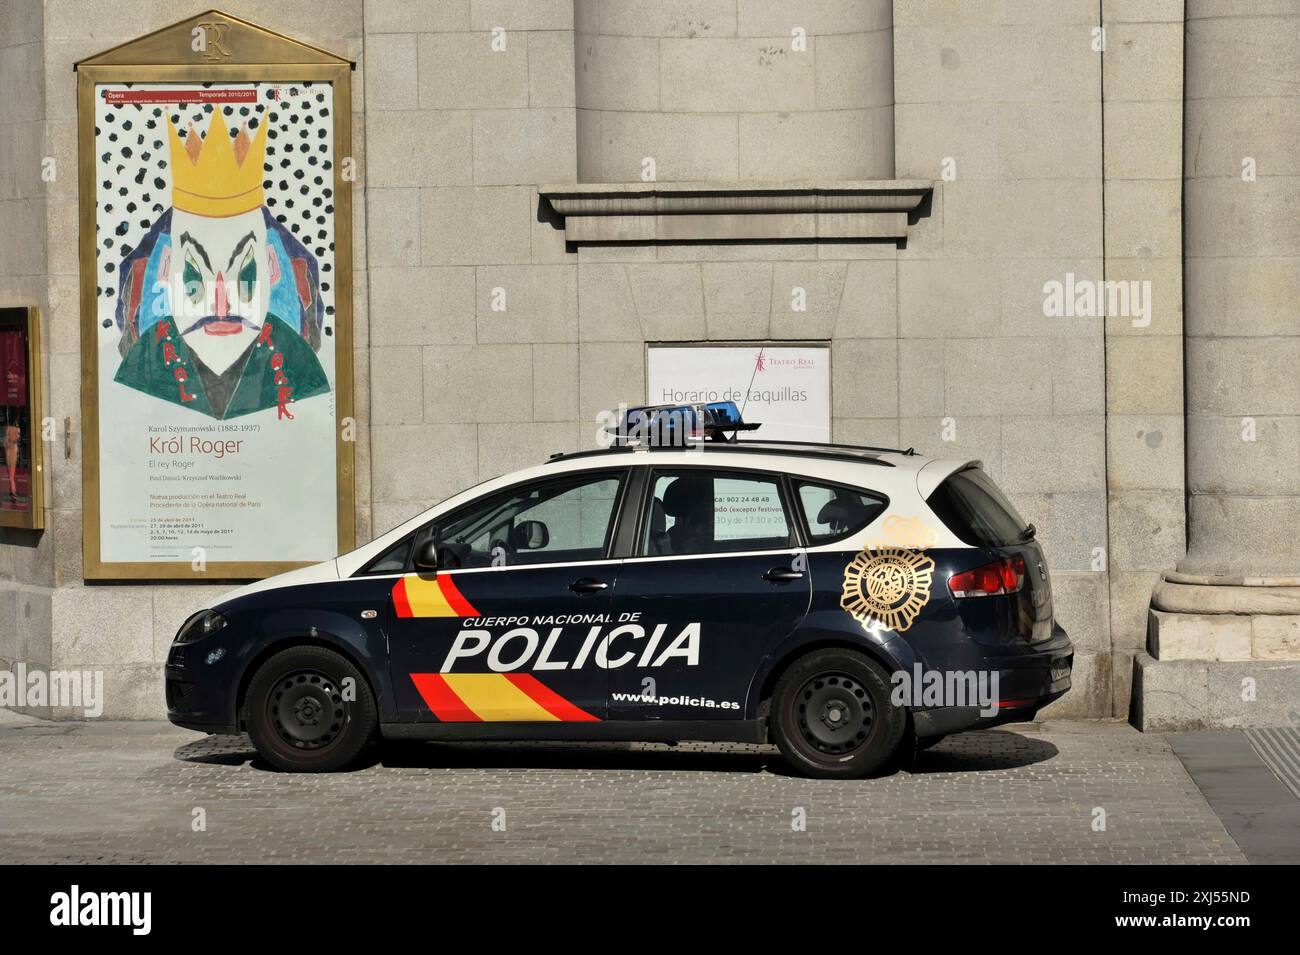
(679, 426)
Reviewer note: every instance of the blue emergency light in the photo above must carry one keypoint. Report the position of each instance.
(681, 425)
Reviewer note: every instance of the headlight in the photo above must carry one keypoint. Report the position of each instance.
(202, 624)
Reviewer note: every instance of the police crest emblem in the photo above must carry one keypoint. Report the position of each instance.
(888, 583)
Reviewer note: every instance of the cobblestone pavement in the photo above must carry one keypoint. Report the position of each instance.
(128, 792)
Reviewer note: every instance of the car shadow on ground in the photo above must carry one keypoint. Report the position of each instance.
(982, 751)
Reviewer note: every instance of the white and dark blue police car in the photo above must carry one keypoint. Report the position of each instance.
(848, 603)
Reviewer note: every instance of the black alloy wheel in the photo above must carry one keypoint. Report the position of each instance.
(832, 716)
(310, 710)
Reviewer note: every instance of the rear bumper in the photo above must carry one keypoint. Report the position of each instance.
(1026, 682)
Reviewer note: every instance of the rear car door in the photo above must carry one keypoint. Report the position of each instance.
(714, 582)
(511, 627)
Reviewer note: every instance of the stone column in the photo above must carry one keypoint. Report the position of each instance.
(1230, 614)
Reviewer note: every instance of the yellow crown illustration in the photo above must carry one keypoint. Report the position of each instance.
(216, 176)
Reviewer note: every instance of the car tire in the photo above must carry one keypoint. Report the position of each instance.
(832, 716)
(297, 715)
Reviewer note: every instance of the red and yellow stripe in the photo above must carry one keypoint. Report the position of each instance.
(416, 596)
(495, 698)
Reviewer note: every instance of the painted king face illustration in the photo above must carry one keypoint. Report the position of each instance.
(219, 304)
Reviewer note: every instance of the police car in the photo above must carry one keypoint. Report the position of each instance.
(847, 603)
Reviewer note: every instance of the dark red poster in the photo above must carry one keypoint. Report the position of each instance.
(13, 367)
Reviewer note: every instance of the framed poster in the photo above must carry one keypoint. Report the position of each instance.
(215, 250)
(785, 387)
(22, 482)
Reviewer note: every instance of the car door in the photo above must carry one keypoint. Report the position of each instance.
(511, 626)
(714, 581)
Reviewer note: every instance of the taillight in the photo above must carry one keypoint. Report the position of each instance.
(1003, 576)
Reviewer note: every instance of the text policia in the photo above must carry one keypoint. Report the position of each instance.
(522, 647)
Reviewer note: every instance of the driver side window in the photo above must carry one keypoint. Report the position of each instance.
(568, 520)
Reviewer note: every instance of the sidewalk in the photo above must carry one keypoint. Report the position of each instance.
(133, 792)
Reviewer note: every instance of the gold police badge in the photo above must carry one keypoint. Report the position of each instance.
(888, 585)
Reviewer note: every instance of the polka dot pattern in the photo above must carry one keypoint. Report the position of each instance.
(133, 175)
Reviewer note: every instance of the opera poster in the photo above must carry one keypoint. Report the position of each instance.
(217, 345)
(20, 419)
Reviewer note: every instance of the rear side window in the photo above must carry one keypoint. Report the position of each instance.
(971, 506)
(834, 512)
(714, 512)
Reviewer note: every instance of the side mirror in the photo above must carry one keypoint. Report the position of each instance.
(531, 535)
(425, 557)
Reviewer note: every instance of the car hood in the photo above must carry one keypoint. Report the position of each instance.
(320, 573)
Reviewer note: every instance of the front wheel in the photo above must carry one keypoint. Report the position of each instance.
(832, 716)
(310, 710)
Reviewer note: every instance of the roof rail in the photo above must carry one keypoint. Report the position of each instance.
(807, 449)
(827, 444)
(589, 452)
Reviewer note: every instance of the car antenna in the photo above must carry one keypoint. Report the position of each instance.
(758, 361)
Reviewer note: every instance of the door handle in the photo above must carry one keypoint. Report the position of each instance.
(588, 585)
(780, 575)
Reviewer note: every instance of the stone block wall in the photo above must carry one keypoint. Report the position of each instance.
(59, 621)
(1051, 158)
(471, 110)
(1142, 86)
(724, 91)
(26, 558)
(1003, 104)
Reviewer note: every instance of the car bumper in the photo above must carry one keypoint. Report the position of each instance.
(197, 686)
(1026, 682)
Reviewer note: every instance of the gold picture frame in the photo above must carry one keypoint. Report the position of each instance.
(213, 47)
(25, 319)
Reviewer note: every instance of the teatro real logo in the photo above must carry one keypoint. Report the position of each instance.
(888, 583)
(209, 38)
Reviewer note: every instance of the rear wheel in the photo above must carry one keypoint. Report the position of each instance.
(832, 717)
(310, 710)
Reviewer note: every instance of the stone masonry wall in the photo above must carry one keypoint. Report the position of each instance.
(1142, 86)
(719, 90)
(462, 107)
(1005, 98)
(26, 568)
(121, 629)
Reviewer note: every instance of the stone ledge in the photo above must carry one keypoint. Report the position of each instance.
(1223, 636)
(1175, 595)
(1177, 695)
(1222, 580)
(727, 211)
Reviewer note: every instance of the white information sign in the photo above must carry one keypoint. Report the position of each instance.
(787, 388)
